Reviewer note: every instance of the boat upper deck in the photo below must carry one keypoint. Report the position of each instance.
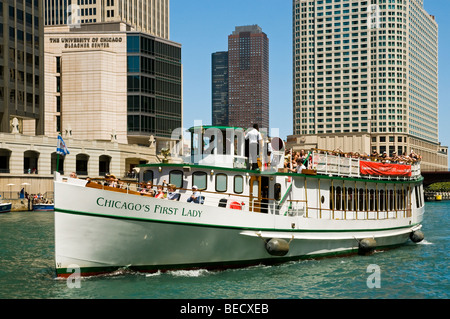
(336, 165)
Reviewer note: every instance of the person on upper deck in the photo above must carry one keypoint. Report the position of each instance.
(254, 138)
(374, 156)
(300, 165)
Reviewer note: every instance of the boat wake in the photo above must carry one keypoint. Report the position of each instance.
(425, 242)
(189, 273)
(181, 273)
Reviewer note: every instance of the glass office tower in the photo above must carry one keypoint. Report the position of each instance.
(219, 89)
(21, 65)
(154, 86)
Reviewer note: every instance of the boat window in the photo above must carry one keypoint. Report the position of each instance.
(255, 188)
(361, 199)
(421, 195)
(382, 200)
(377, 205)
(403, 198)
(199, 180)
(332, 197)
(221, 183)
(366, 199)
(148, 176)
(176, 178)
(338, 198)
(277, 191)
(238, 184)
(416, 189)
(349, 198)
(391, 199)
(372, 200)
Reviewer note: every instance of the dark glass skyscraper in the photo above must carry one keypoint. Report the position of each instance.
(248, 77)
(154, 86)
(21, 63)
(220, 88)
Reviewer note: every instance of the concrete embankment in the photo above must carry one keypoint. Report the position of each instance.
(20, 204)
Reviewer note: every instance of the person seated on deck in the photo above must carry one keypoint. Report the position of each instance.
(73, 175)
(159, 192)
(195, 197)
(171, 192)
(147, 190)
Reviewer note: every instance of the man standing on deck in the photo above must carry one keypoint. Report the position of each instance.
(254, 138)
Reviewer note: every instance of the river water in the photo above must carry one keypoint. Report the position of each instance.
(413, 271)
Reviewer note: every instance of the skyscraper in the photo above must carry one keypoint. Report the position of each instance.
(367, 67)
(248, 77)
(149, 16)
(219, 62)
(21, 65)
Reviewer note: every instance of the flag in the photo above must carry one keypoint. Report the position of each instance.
(61, 147)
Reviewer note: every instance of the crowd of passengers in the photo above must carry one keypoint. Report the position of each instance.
(300, 160)
(143, 188)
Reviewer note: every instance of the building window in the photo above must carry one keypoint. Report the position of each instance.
(58, 64)
(133, 64)
(133, 44)
(58, 84)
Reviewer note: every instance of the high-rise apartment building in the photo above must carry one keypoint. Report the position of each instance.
(149, 16)
(368, 67)
(219, 89)
(248, 77)
(21, 65)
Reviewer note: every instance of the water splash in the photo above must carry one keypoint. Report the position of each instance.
(189, 273)
(425, 242)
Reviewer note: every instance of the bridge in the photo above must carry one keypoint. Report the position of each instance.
(431, 177)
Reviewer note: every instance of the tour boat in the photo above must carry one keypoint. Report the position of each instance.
(338, 206)
(42, 207)
(5, 207)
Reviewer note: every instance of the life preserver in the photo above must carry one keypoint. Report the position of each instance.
(235, 205)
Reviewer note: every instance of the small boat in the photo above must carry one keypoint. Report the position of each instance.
(243, 217)
(438, 197)
(5, 207)
(43, 207)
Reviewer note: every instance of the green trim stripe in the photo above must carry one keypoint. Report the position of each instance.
(65, 211)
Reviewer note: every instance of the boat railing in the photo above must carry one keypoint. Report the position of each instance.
(300, 208)
(336, 165)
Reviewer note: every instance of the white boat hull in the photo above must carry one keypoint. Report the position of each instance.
(110, 230)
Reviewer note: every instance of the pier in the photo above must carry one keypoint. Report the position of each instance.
(434, 196)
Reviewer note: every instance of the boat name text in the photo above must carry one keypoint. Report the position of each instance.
(147, 208)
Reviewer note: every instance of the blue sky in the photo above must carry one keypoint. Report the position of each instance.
(203, 26)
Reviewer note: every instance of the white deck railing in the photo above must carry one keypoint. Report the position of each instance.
(337, 165)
